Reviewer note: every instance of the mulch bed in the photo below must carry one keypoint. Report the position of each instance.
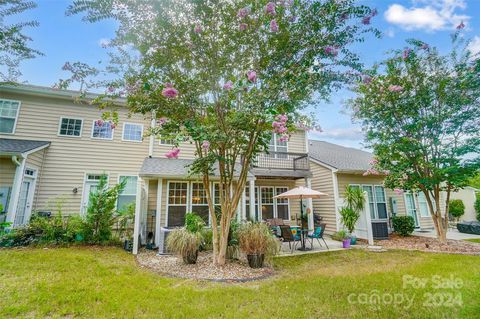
(173, 266)
(430, 245)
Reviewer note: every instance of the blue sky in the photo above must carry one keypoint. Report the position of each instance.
(63, 38)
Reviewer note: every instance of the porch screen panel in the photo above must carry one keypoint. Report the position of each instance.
(371, 200)
(282, 204)
(199, 201)
(381, 202)
(267, 202)
(177, 203)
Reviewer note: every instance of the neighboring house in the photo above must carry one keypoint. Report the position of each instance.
(468, 195)
(334, 167)
(52, 150)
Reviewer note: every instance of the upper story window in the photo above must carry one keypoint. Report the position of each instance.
(70, 127)
(132, 132)
(8, 115)
(102, 130)
(167, 142)
(276, 145)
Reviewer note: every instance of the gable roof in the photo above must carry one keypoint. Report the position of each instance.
(14, 146)
(344, 159)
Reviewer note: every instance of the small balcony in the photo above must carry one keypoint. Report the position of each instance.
(281, 164)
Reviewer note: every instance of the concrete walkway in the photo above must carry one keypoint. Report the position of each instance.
(451, 234)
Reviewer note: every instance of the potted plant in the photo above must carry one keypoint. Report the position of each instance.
(185, 243)
(342, 236)
(355, 203)
(257, 242)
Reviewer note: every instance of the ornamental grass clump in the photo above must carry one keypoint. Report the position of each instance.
(257, 242)
(184, 243)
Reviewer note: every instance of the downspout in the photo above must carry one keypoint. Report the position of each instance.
(152, 137)
(15, 160)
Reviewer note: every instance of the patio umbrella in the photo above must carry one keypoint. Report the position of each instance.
(301, 192)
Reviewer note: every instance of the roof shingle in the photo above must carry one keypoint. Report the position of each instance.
(15, 146)
(342, 158)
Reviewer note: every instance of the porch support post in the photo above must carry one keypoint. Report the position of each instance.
(252, 198)
(158, 215)
(311, 226)
(243, 208)
(138, 213)
(17, 184)
(368, 219)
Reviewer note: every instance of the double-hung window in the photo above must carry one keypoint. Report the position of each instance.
(8, 116)
(168, 142)
(277, 148)
(423, 205)
(267, 193)
(102, 130)
(377, 200)
(177, 203)
(132, 132)
(70, 127)
(199, 201)
(128, 195)
(282, 204)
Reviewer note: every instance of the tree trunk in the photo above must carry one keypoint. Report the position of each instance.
(440, 227)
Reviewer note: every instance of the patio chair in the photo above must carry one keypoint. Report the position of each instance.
(288, 237)
(318, 234)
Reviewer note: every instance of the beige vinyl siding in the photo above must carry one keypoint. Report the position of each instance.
(296, 144)
(68, 159)
(7, 171)
(35, 161)
(322, 181)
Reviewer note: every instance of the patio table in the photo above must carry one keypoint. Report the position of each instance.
(303, 237)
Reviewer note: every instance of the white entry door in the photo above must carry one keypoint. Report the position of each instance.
(24, 208)
(411, 208)
(90, 187)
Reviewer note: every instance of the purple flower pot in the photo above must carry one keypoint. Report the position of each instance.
(346, 243)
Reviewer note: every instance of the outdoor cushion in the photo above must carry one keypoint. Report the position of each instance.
(469, 227)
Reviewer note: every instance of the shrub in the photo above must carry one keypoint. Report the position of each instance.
(403, 225)
(477, 206)
(256, 239)
(207, 243)
(184, 243)
(194, 223)
(349, 218)
(101, 212)
(125, 221)
(456, 208)
(340, 235)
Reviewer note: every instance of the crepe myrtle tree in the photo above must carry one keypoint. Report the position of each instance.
(421, 114)
(224, 75)
(14, 43)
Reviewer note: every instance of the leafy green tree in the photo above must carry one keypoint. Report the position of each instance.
(421, 113)
(14, 43)
(226, 74)
(456, 208)
(475, 181)
(101, 211)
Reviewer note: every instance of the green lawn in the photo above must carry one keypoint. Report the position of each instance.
(106, 283)
(474, 240)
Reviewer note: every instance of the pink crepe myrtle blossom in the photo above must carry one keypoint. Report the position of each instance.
(243, 26)
(395, 88)
(112, 125)
(162, 121)
(367, 79)
(276, 124)
(398, 191)
(282, 118)
(281, 130)
(373, 161)
(461, 26)
(169, 92)
(228, 85)
(371, 171)
(252, 76)
(205, 145)
(366, 20)
(173, 153)
(111, 89)
(243, 12)
(406, 53)
(273, 26)
(330, 51)
(99, 123)
(270, 8)
(284, 138)
(197, 28)
(374, 12)
(425, 46)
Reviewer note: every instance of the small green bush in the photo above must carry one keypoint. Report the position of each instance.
(340, 235)
(194, 223)
(477, 206)
(456, 208)
(403, 225)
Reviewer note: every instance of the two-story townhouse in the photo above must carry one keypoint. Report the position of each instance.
(53, 149)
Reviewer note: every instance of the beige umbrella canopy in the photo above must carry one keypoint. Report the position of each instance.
(301, 192)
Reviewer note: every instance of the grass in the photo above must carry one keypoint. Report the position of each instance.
(106, 283)
(474, 240)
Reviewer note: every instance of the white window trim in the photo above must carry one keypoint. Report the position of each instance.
(16, 117)
(123, 133)
(375, 199)
(167, 203)
(70, 118)
(100, 138)
(276, 204)
(428, 215)
(275, 139)
(415, 205)
(204, 205)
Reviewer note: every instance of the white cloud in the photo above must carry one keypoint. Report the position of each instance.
(103, 42)
(474, 45)
(341, 133)
(428, 15)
